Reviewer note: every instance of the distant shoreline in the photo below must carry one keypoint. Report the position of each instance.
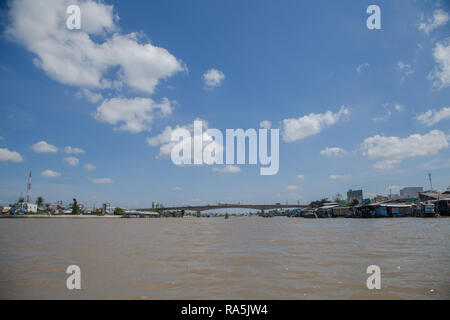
(63, 216)
(66, 216)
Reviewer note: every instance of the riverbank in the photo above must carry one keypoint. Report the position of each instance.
(64, 216)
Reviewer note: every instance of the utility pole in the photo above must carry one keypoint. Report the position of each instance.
(431, 184)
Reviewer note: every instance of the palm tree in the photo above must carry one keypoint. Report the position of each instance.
(75, 208)
(40, 202)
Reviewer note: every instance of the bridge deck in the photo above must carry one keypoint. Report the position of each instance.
(228, 206)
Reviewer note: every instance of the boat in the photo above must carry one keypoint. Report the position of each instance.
(309, 214)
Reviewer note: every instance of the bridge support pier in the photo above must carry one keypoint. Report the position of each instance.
(262, 212)
(198, 214)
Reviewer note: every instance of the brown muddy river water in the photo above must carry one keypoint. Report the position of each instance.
(215, 258)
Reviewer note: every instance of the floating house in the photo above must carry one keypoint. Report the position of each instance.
(398, 210)
(442, 207)
(141, 214)
(333, 210)
(377, 210)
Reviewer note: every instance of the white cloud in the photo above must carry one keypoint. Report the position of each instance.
(291, 187)
(228, 169)
(71, 161)
(213, 78)
(73, 150)
(89, 95)
(44, 147)
(436, 164)
(300, 177)
(405, 69)
(439, 19)
(399, 107)
(432, 117)
(338, 176)
(8, 155)
(89, 167)
(101, 180)
(163, 140)
(74, 58)
(395, 106)
(97, 18)
(386, 164)
(393, 189)
(338, 152)
(50, 174)
(132, 115)
(387, 116)
(392, 150)
(266, 124)
(177, 188)
(441, 74)
(361, 67)
(297, 129)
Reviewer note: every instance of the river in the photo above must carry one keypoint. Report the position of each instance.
(216, 258)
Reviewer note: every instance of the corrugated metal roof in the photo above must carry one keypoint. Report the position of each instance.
(395, 205)
(333, 206)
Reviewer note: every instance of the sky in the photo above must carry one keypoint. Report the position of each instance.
(90, 111)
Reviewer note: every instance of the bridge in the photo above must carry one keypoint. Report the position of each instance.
(198, 209)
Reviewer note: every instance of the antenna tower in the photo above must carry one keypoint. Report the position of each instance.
(431, 184)
(29, 188)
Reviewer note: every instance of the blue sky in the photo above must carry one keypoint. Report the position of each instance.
(137, 67)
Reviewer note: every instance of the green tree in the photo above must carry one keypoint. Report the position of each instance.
(318, 203)
(75, 207)
(353, 203)
(119, 211)
(40, 201)
(21, 200)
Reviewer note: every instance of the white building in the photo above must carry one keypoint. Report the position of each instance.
(107, 208)
(25, 207)
(410, 192)
(355, 194)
